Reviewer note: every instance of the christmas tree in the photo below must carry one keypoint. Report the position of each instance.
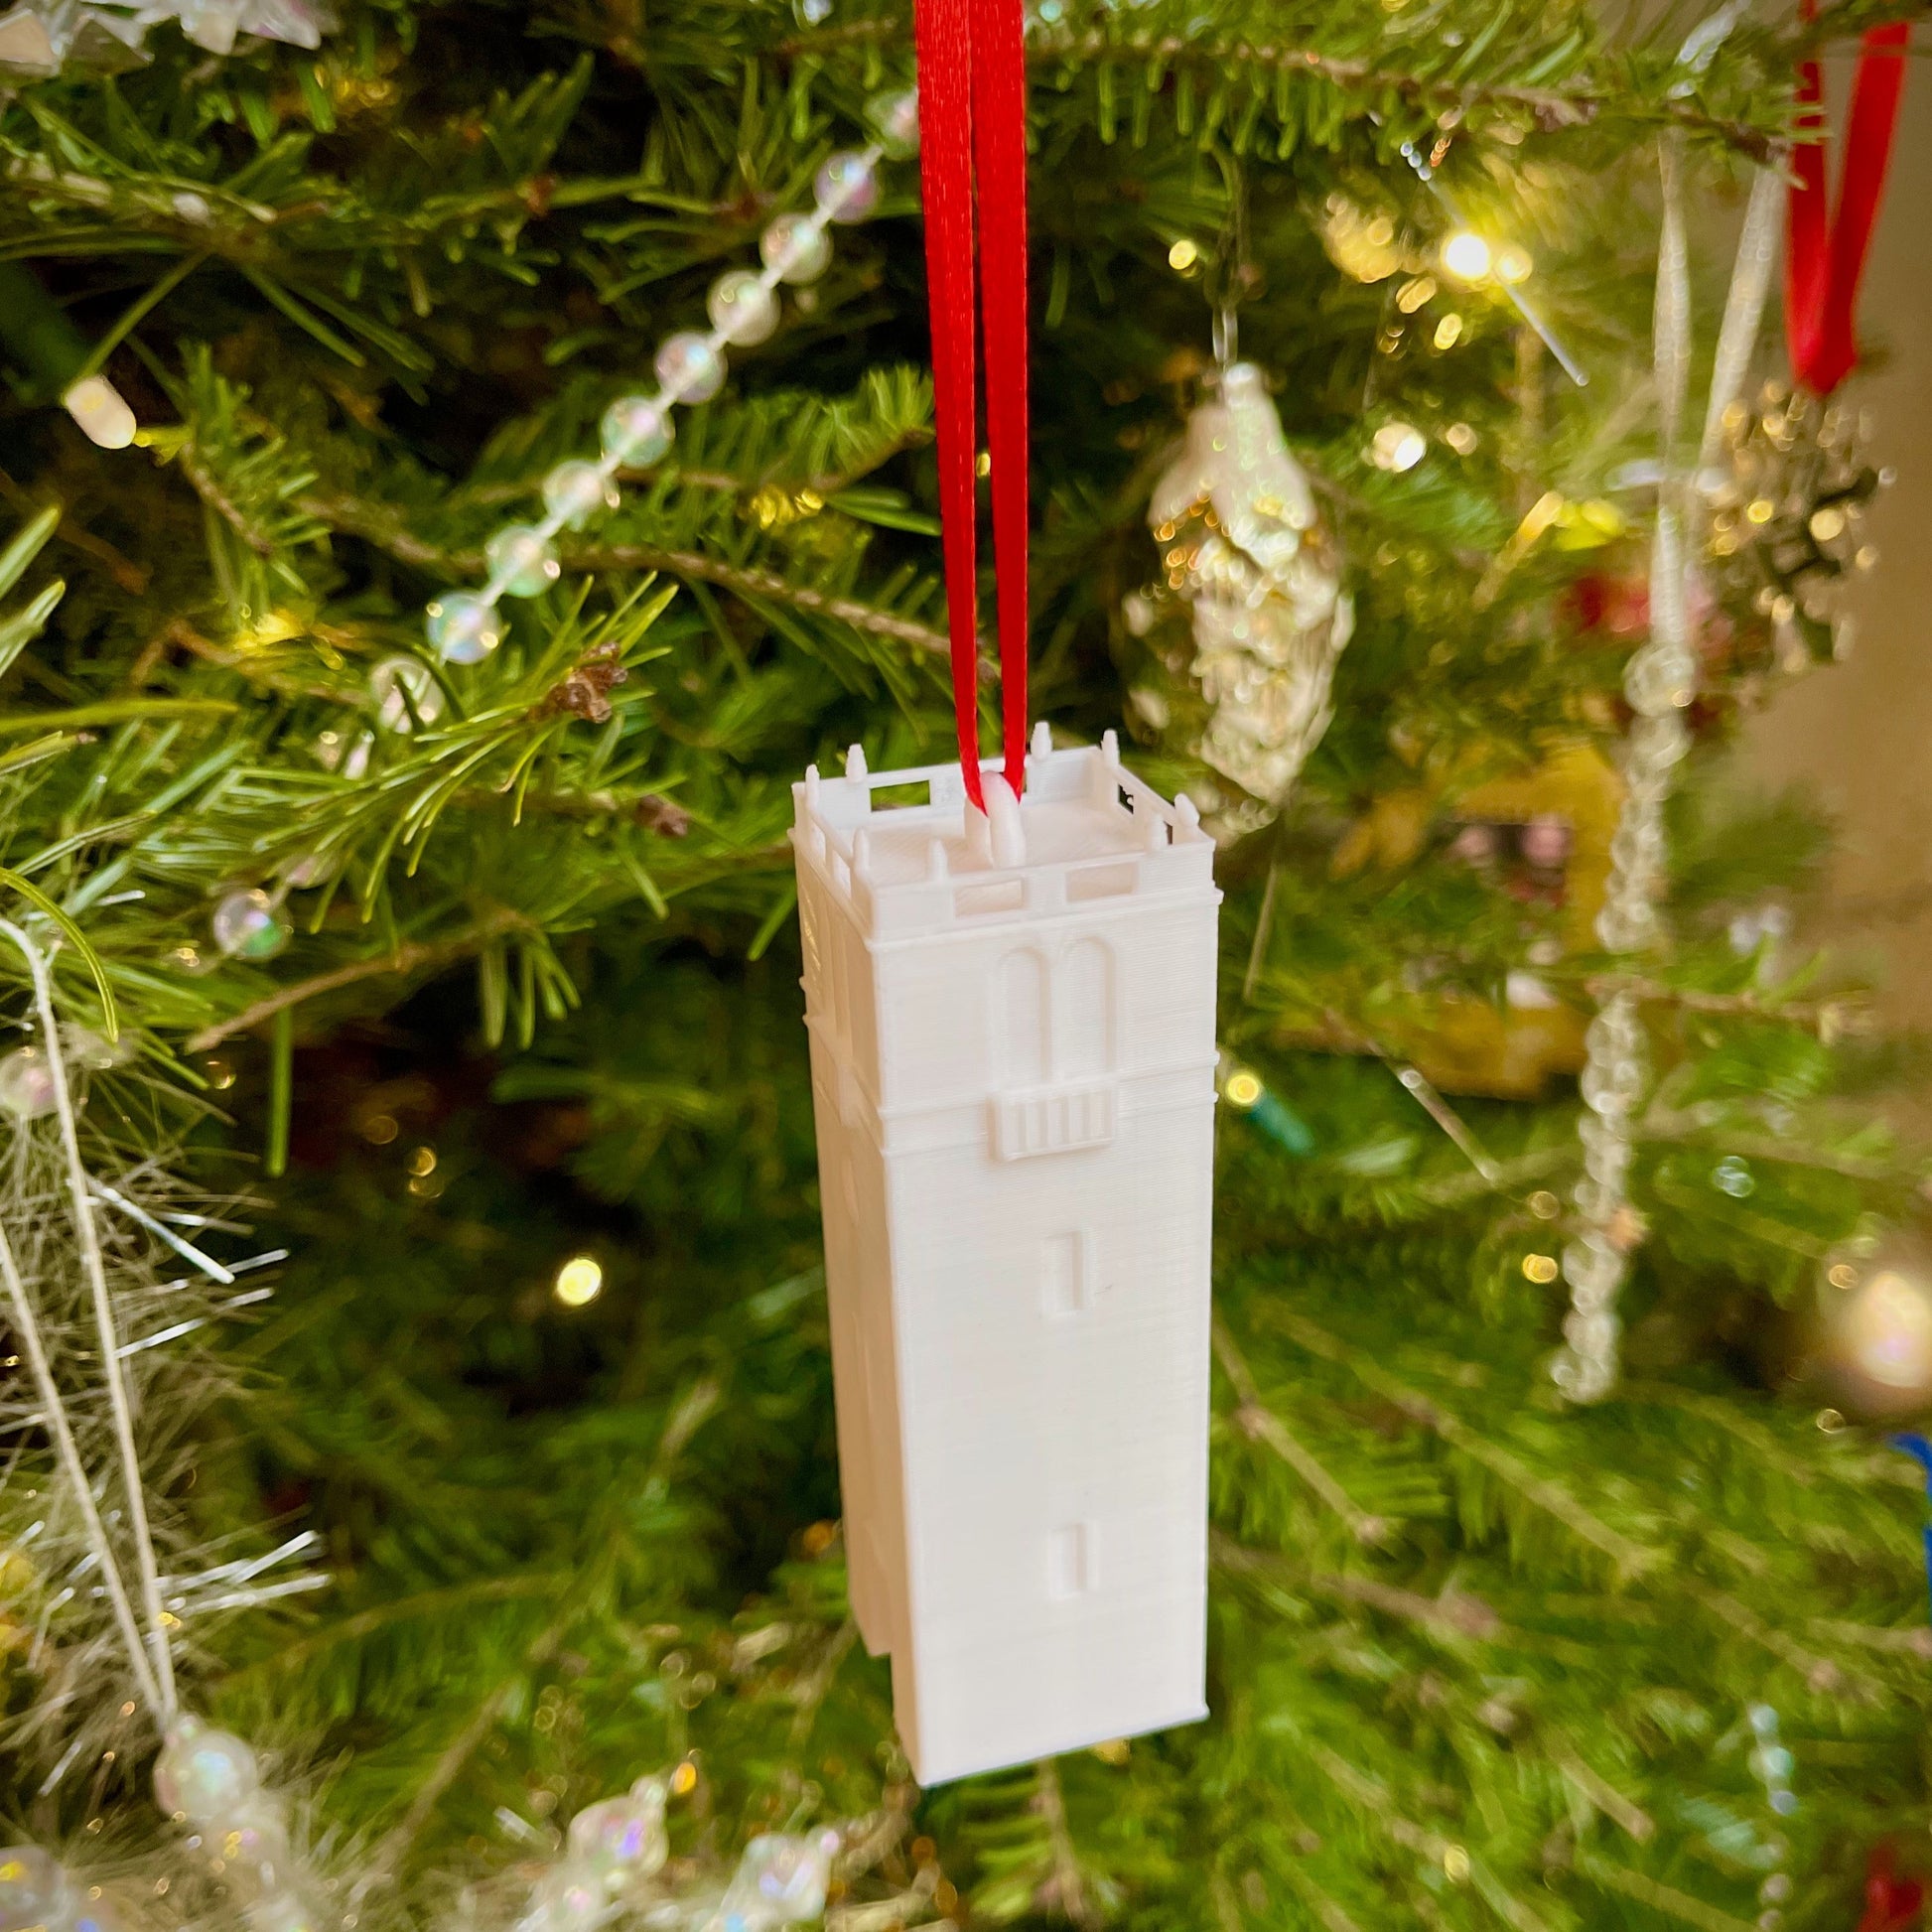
(497, 458)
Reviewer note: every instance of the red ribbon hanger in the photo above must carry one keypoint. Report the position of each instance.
(1825, 254)
(972, 132)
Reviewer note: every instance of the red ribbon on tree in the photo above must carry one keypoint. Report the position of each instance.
(972, 133)
(1825, 254)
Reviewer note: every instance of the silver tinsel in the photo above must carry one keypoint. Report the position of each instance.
(45, 37)
(1247, 550)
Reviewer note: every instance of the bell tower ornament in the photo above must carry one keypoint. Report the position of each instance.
(1012, 1045)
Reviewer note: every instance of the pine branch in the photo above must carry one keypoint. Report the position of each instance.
(388, 533)
(1632, 1558)
(1662, 1124)
(1371, 1797)
(130, 575)
(1659, 1897)
(208, 488)
(753, 585)
(1552, 108)
(393, 1847)
(1607, 1799)
(411, 958)
(1829, 1019)
(1457, 1616)
(1260, 1424)
(1065, 1890)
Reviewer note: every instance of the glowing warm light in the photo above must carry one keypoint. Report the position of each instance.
(579, 1280)
(1243, 1089)
(1398, 447)
(1183, 255)
(1448, 332)
(1540, 1268)
(101, 411)
(1890, 1333)
(1466, 255)
(1513, 265)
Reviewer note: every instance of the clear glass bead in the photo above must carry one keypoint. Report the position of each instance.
(894, 118)
(33, 1887)
(255, 1844)
(463, 628)
(204, 1775)
(406, 695)
(1593, 1336)
(780, 1880)
(348, 756)
(846, 187)
(621, 1840)
(522, 560)
(797, 248)
(1611, 1084)
(742, 308)
(576, 492)
(637, 431)
(566, 1899)
(1660, 680)
(93, 1915)
(246, 925)
(26, 1084)
(211, 24)
(689, 368)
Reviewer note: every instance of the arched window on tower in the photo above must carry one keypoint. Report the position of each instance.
(1023, 1019)
(1086, 1025)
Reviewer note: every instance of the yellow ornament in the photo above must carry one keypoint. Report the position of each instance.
(1875, 1336)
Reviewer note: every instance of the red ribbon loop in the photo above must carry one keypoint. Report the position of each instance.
(972, 130)
(1825, 254)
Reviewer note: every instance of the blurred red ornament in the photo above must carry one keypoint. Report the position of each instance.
(1618, 606)
(1891, 1902)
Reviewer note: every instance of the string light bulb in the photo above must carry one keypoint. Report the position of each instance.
(1243, 1089)
(1398, 447)
(580, 1281)
(1513, 263)
(101, 411)
(1466, 255)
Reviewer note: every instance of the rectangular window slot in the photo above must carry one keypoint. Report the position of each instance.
(999, 895)
(916, 792)
(1070, 1561)
(1101, 882)
(1065, 1274)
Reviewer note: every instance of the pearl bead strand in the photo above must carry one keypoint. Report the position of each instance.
(465, 627)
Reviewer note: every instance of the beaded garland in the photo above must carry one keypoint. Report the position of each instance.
(465, 627)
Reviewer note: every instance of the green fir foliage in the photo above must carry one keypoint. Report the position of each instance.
(1478, 1660)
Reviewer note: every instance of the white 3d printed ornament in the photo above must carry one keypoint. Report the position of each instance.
(1012, 1018)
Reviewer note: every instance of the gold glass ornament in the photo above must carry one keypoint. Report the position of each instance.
(1873, 1345)
(1786, 526)
(1246, 549)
